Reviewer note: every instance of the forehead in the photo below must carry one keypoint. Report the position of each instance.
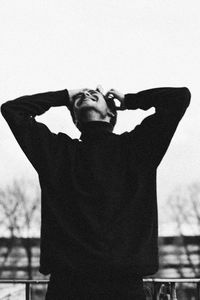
(91, 91)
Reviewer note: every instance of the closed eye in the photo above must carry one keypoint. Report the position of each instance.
(77, 96)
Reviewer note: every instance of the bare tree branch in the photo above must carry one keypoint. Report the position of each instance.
(20, 214)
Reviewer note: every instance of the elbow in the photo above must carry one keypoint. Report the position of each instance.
(186, 96)
(7, 110)
(4, 109)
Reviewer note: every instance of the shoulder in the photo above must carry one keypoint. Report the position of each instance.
(127, 135)
(127, 138)
(64, 139)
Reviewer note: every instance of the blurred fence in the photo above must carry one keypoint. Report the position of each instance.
(161, 289)
(179, 257)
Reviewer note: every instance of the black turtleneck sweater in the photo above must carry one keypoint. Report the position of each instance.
(99, 207)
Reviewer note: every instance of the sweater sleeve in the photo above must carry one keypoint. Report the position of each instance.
(152, 137)
(35, 139)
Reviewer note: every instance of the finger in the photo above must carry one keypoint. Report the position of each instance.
(99, 88)
(109, 95)
(111, 90)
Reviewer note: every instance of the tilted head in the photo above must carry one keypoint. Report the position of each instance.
(91, 105)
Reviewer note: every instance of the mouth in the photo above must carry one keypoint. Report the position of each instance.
(88, 98)
(85, 99)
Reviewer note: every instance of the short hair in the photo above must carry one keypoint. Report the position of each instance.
(111, 105)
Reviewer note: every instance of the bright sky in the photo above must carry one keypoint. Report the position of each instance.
(128, 45)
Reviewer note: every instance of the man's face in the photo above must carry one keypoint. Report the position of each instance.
(88, 103)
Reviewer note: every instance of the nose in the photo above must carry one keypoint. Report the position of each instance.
(87, 93)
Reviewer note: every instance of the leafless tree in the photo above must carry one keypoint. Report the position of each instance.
(184, 211)
(20, 216)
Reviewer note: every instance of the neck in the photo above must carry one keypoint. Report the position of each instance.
(92, 115)
(95, 129)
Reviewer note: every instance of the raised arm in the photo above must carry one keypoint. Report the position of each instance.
(166, 100)
(152, 137)
(35, 139)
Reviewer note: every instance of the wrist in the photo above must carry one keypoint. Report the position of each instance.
(68, 102)
(71, 93)
(61, 97)
(122, 104)
(131, 101)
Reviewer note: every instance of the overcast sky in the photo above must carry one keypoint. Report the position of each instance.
(128, 45)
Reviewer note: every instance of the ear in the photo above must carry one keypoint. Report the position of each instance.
(75, 120)
(110, 113)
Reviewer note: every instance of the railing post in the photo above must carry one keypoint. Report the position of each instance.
(165, 291)
(156, 289)
(28, 294)
(198, 290)
(173, 291)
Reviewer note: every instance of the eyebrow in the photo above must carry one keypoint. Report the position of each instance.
(91, 91)
(78, 94)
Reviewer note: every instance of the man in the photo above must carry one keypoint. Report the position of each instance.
(99, 207)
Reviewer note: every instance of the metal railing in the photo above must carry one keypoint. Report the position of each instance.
(161, 287)
(167, 287)
(27, 284)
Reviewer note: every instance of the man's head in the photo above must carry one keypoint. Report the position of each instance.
(91, 105)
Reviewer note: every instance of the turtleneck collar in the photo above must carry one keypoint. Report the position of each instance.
(95, 130)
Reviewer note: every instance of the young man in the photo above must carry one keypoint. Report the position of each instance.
(99, 208)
